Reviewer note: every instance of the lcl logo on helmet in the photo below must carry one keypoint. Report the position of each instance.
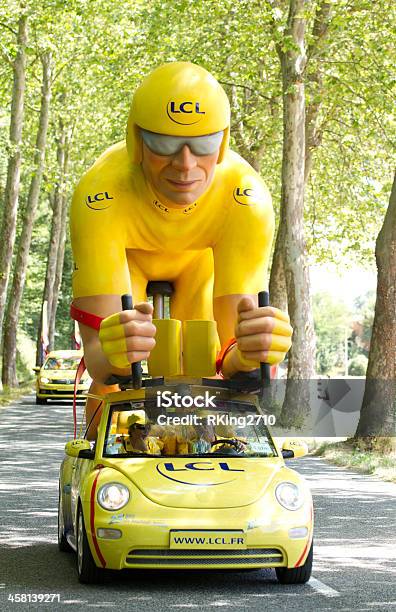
(184, 113)
(242, 196)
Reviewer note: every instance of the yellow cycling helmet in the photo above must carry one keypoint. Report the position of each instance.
(137, 417)
(178, 99)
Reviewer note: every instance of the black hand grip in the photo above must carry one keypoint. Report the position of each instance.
(265, 368)
(127, 304)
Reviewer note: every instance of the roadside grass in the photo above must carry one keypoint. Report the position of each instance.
(345, 454)
(7, 396)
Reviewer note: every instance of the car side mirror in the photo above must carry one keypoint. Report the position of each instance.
(86, 454)
(74, 448)
(36, 369)
(291, 449)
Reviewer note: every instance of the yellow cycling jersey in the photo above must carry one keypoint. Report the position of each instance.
(153, 446)
(123, 236)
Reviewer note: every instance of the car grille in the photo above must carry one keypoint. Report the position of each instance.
(61, 381)
(191, 558)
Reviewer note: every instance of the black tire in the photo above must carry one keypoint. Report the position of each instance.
(296, 575)
(41, 400)
(88, 572)
(63, 544)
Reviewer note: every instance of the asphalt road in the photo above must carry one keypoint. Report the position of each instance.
(355, 539)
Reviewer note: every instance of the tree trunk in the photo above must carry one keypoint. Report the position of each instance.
(377, 416)
(59, 269)
(277, 285)
(63, 160)
(313, 139)
(301, 355)
(58, 203)
(313, 134)
(50, 272)
(9, 375)
(8, 228)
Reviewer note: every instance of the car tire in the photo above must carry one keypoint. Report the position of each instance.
(88, 572)
(296, 575)
(41, 400)
(63, 544)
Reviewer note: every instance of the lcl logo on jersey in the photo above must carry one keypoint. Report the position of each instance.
(189, 209)
(186, 112)
(244, 196)
(99, 201)
(160, 206)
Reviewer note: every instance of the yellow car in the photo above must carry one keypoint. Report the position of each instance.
(184, 477)
(55, 379)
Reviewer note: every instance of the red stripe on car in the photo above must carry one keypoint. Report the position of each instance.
(92, 521)
(302, 556)
(306, 545)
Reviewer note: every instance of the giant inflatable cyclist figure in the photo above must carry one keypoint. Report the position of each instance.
(173, 202)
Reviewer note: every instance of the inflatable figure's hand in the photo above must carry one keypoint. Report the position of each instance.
(263, 334)
(128, 336)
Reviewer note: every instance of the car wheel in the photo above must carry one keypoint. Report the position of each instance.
(63, 544)
(296, 575)
(88, 572)
(41, 400)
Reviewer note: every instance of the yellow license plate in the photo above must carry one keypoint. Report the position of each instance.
(207, 539)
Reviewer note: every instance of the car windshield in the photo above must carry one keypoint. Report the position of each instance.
(62, 363)
(232, 428)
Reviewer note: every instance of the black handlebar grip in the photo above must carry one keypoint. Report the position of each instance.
(265, 368)
(136, 369)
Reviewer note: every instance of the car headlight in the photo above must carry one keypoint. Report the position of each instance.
(289, 495)
(113, 496)
(44, 380)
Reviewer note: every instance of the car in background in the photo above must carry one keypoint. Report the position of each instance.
(55, 378)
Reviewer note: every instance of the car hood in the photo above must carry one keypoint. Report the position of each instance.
(201, 482)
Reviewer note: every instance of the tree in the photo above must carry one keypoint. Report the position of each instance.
(8, 227)
(9, 376)
(291, 50)
(313, 138)
(378, 412)
(63, 206)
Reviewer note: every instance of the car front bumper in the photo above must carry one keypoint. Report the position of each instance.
(52, 391)
(145, 542)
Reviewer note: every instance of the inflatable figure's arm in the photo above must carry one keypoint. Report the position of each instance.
(123, 338)
(100, 277)
(241, 259)
(262, 335)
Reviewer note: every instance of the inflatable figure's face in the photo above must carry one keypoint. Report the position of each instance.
(179, 179)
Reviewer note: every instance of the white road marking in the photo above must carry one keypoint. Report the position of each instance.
(322, 588)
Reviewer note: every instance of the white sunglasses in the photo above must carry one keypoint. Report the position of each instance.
(162, 144)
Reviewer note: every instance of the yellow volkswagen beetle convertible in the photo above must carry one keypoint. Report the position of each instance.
(184, 477)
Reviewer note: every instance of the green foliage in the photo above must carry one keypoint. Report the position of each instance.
(358, 366)
(363, 317)
(101, 52)
(331, 325)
